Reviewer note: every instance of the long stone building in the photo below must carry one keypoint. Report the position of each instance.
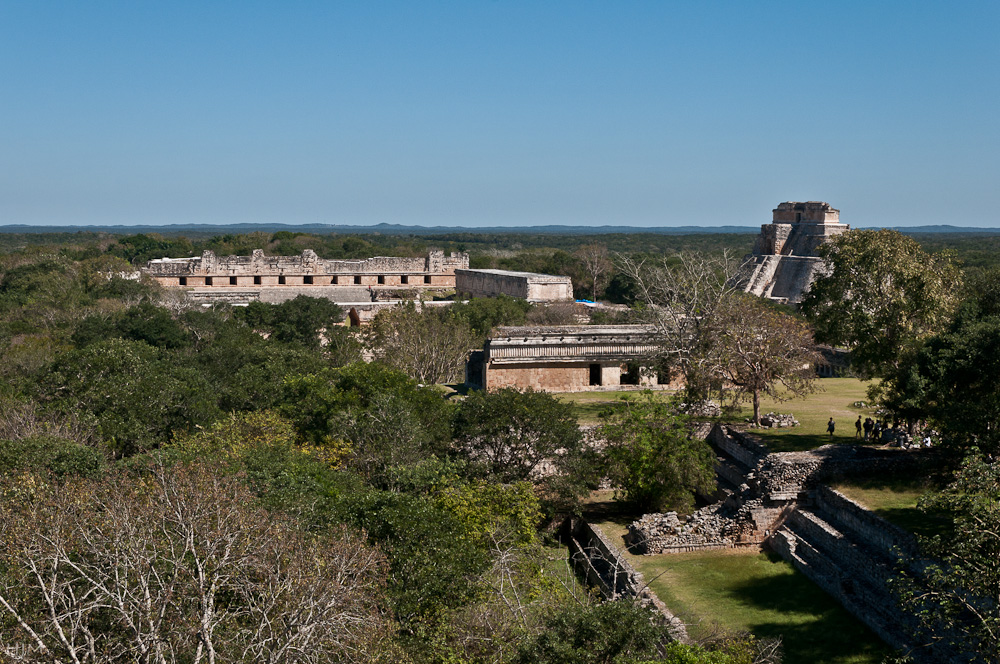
(565, 358)
(785, 257)
(530, 286)
(277, 278)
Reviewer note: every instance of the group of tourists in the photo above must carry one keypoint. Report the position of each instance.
(876, 430)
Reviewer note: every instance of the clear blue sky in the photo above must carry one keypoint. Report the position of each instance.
(498, 113)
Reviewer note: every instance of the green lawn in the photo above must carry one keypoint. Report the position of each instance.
(895, 500)
(759, 593)
(835, 397)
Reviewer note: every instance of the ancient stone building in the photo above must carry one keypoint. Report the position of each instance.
(530, 286)
(240, 279)
(785, 257)
(783, 500)
(564, 358)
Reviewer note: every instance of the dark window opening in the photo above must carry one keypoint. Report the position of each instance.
(256, 281)
(595, 374)
(334, 281)
(307, 280)
(353, 317)
(404, 279)
(183, 281)
(798, 216)
(630, 374)
(427, 278)
(208, 281)
(357, 279)
(232, 281)
(281, 280)
(381, 280)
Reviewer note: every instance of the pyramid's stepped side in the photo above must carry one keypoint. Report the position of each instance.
(785, 257)
(853, 554)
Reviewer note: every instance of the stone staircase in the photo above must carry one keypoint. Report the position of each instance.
(762, 275)
(852, 554)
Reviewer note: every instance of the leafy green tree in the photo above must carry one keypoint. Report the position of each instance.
(607, 633)
(385, 417)
(434, 565)
(264, 450)
(622, 289)
(623, 632)
(143, 322)
(882, 295)
(40, 291)
(510, 433)
(652, 457)
(137, 394)
(50, 455)
(482, 314)
(300, 320)
(955, 596)
(247, 371)
(951, 381)
(137, 249)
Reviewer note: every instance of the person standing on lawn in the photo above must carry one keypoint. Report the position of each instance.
(830, 427)
(857, 426)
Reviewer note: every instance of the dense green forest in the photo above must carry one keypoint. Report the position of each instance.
(180, 479)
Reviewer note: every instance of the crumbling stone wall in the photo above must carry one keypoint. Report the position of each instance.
(781, 501)
(601, 564)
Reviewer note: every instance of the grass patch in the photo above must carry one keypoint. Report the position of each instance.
(835, 397)
(588, 405)
(759, 593)
(895, 500)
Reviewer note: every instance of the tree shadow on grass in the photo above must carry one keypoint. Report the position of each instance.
(825, 633)
(611, 510)
(914, 521)
(794, 442)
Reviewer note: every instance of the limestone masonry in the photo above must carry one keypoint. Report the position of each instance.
(782, 500)
(271, 278)
(530, 286)
(785, 257)
(564, 358)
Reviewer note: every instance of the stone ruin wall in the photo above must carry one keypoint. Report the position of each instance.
(602, 566)
(525, 285)
(784, 504)
(563, 358)
(308, 270)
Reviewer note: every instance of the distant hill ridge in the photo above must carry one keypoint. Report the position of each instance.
(400, 229)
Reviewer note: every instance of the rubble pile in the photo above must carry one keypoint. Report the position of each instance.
(714, 525)
(707, 408)
(776, 421)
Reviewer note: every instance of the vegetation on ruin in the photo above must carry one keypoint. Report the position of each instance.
(731, 591)
(954, 595)
(653, 460)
